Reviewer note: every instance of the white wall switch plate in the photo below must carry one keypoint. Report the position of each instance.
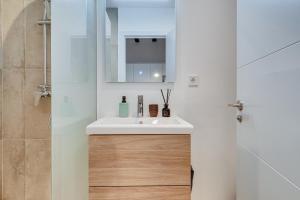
(193, 80)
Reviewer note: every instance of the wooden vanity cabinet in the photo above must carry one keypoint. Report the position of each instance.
(139, 167)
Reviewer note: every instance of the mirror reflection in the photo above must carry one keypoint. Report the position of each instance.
(140, 41)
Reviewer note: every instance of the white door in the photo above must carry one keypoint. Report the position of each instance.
(268, 79)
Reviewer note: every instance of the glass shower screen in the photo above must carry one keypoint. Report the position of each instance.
(74, 36)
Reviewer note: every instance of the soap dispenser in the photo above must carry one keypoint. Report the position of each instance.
(123, 108)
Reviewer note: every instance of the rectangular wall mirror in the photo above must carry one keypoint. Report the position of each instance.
(140, 41)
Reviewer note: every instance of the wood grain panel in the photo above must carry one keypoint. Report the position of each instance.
(140, 193)
(140, 142)
(132, 160)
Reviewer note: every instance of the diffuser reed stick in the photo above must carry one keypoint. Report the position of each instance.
(162, 94)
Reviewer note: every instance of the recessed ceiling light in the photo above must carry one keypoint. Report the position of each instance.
(156, 75)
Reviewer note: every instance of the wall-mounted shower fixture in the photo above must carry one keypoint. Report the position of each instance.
(44, 90)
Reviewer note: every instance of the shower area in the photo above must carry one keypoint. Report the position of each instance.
(25, 99)
(47, 96)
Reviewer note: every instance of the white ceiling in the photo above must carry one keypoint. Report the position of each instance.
(140, 3)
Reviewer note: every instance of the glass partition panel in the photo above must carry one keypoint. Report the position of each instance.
(73, 95)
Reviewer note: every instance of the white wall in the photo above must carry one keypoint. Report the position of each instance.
(206, 46)
(146, 19)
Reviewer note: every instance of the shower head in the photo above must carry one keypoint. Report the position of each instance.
(47, 4)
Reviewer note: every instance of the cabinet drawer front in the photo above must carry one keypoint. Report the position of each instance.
(140, 193)
(132, 160)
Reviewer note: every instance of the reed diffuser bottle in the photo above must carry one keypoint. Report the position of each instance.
(166, 112)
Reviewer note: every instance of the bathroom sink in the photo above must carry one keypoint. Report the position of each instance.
(172, 125)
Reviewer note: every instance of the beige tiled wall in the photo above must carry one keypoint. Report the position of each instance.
(25, 140)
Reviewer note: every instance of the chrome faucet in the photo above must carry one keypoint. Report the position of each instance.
(140, 106)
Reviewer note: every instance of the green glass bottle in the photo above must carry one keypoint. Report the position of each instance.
(123, 108)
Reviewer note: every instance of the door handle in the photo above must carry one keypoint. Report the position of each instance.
(239, 118)
(239, 105)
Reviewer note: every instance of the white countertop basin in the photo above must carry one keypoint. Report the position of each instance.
(172, 125)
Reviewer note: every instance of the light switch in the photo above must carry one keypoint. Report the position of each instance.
(193, 80)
